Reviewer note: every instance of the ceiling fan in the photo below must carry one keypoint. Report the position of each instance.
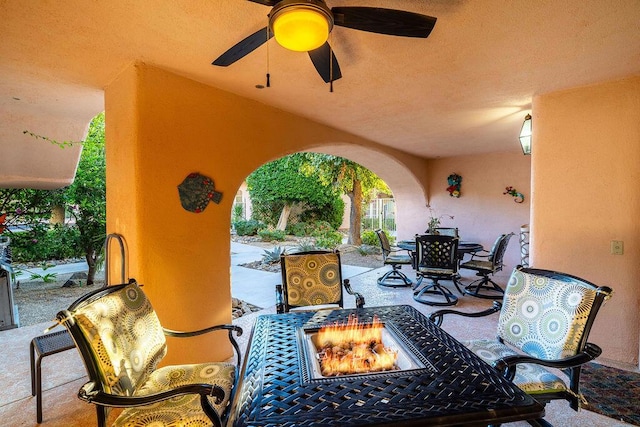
(304, 25)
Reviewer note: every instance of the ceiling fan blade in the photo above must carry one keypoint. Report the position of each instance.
(243, 48)
(266, 2)
(326, 63)
(384, 21)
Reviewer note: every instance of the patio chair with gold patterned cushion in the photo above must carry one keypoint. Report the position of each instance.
(121, 341)
(312, 280)
(545, 320)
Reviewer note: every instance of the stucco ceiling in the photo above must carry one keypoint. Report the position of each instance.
(463, 90)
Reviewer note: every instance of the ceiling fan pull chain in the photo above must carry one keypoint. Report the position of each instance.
(330, 63)
(268, 75)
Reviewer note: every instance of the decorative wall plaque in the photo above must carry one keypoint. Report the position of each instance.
(196, 191)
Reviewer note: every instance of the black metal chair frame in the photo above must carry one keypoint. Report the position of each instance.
(571, 366)
(437, 260)
(485, 287)
(282, 301)
(393, 278)
(93, 392)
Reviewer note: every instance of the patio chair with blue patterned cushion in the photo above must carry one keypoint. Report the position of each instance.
(312, 280)
(545, 320)
(121, 342)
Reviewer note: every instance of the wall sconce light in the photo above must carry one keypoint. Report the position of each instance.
(301, 26)
(525, 135)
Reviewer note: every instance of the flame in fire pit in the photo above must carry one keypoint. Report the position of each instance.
(353, 348)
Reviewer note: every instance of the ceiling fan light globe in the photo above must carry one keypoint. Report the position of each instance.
(300, 29)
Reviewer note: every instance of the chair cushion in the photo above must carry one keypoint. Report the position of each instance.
(182, 410)
(478, 264)
(398, 259)
(529, 377)
(544, 317)
(127, 348)
(313, 279)
(436, 271)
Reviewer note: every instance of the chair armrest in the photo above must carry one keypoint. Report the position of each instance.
(438, 316)
(88, 393)
(507, 365)
(483, 253)
(359, 297)
(230, 328)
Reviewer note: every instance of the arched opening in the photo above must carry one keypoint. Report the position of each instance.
(407, 191)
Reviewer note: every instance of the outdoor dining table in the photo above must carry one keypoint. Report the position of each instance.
(450, 385)
(464, 247)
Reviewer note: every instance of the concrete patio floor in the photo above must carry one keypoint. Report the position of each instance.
(63, 373)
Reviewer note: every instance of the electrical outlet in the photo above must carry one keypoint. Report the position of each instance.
(617, 247)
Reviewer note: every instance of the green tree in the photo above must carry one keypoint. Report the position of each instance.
(352, 179)
(86, 196)
(276, 187)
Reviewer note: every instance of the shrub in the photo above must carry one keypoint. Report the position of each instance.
(248, 228)
(370, 238)
(269, 235)
(329, 240)
(305, 245)
(320, 228)
(43, 243)
(298, 229)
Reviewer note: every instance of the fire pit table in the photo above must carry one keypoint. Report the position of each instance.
(442, 384)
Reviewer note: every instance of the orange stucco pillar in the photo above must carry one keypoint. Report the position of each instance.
(585, 156)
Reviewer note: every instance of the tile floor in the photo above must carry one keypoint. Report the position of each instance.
(63, 373)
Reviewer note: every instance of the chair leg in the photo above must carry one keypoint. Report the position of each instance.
(394, 278)
(484, 288)
(101, 413)
(437, 290)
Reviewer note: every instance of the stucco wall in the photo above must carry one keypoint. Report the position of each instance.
(483, 212)
(162, 127)
(586, 152)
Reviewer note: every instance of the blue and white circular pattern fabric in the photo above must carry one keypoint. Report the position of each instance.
(544, 316)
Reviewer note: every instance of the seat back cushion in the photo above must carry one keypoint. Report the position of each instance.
(312, 279)
(544, 317)
(125, 337)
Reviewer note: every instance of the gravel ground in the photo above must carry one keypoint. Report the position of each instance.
(39, 302)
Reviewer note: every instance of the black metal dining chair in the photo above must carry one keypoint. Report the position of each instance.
(392, 256)
(487, 264)
(437, 260)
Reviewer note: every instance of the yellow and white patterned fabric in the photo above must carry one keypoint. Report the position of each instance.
(128, 342)
(126, 338)
(312, 279)
(183, 410)
(544, 317)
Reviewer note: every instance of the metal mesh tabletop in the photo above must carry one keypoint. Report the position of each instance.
(454, 386)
